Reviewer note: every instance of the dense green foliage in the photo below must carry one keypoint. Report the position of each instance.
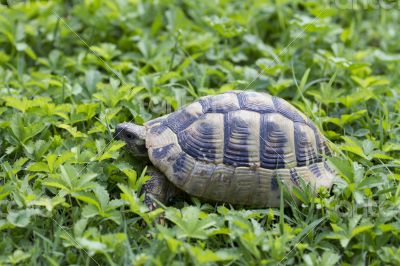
(71, 70)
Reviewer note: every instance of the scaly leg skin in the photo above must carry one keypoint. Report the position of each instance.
(159, 187)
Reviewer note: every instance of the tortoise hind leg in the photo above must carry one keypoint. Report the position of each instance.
(160, 188)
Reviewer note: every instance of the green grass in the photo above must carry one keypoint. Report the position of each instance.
(71, 70)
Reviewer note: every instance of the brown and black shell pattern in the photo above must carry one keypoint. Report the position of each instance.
(234, 147)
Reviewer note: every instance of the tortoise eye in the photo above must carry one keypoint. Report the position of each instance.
(129, 136)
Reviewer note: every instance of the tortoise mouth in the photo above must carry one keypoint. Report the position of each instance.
(134, 145)
(117, 134)
(119, 131)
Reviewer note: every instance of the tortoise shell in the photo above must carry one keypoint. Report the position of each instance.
(233, 147)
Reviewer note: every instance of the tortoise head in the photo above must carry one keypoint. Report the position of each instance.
(134, 137)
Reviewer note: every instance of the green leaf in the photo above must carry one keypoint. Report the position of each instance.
(5, 190)
(90, 245)
(132, 177)
(370, 182)
(88, 198)
(18, 256)
(190, 223)
(361, 229)
(135, 205)
(207, 256)
(38, 167)
(19, 104)
(91, 79)
(48, 203)
(329, 258)
(343, 167)
(22, 218)
(72, 130)
(111, 150)
(309, 228)
(102, 196)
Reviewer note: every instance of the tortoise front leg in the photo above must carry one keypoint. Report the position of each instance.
(159, 187)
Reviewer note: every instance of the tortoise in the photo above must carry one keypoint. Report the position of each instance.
(232, 147)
